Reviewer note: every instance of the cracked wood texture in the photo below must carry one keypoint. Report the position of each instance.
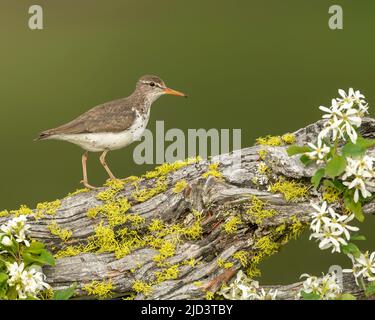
(215, 198)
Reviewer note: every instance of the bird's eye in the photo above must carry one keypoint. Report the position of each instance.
(152, 84)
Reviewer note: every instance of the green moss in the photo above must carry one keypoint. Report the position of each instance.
(292, 191)
(180, 186)
(231, 225)
(213, 171)
(258, 211)
(101, 289)
(63, 234)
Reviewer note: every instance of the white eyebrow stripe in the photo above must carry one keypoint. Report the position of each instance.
(148, 82)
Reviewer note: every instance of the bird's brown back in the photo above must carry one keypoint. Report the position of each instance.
(113, 116)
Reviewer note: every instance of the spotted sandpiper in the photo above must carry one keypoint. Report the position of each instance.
(112, 125)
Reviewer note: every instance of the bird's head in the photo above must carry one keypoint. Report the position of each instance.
(154, 87)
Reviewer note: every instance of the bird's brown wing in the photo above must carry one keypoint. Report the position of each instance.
(114, 116)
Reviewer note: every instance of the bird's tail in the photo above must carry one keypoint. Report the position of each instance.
(43, 135)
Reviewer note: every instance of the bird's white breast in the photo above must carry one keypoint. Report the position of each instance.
(97, 142)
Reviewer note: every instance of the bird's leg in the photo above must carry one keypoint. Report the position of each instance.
(84, 169)
(104, 164)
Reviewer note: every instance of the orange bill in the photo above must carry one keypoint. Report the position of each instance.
(174, 92)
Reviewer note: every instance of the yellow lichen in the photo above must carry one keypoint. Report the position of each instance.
(275, 141)
(213, 171)
(257, 210)
(263, 168)
(293, 191)
(156, 225)
(209, 295)
(331, 195)
(224, 264)
(267, 246)
(289, 138)
(180, 186)
(231, 225)
(190, 262)
(262, 154)
(242, 257)
(269, 141)
(63, 234)
(49, 208)
(168, 274)
(23, 210)
(142, 287)
(78, 191)
(166, 168)
(101, 289)
(142, 195)
(166, 250)
(4, 213)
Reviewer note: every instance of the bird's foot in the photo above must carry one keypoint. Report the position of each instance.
(88, 186)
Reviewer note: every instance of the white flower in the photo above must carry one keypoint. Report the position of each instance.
(340, 223)
(319, 151)
(318, 215)
(27, 282)
(326, 287)
(363, 266)
(242, 288)
(362, 172)
(359, 185)
(16, 227)
(267, 295)
(6, 241)
(329, 238)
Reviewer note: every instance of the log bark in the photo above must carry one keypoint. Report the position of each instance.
(216, 198)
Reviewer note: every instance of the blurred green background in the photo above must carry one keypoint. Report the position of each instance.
(263, 66)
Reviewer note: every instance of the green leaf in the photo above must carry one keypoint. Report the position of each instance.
(45, 257)
(292, 150)
(317, 177)
(359, 148)
(370, 289)
(335, 166)
(305, 160)
(64, 294)
(347, 296)
(357, 237)
(310, 296)
(351, 248)
(35, 247)
(3, 277)
(334, 184)
(354, 207)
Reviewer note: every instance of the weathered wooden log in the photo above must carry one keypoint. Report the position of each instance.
(195, 224)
